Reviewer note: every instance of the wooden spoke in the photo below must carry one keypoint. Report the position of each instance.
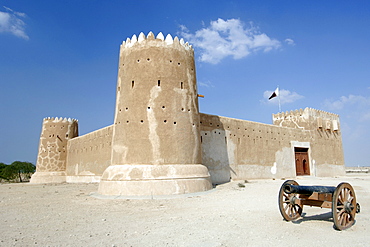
(288, 209)
(344, 206)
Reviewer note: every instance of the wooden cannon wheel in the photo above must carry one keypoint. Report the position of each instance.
(344, 206)
(288, 208)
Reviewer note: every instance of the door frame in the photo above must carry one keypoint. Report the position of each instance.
(302, 145)
(301, 155)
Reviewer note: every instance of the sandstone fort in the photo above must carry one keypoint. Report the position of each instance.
(160, 144)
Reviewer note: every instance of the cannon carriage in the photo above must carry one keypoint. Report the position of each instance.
(341, 200)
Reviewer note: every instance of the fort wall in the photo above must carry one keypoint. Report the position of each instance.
(326, 137)
(240, 149)
(89, 155)
(159, 143)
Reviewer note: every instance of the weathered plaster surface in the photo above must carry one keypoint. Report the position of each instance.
(89, 155)
(242, 149)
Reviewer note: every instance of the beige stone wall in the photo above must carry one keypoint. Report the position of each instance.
(53, 150)
(55, 134)
(89, 155)
(327, 154)
(240, 149)
(326, 139)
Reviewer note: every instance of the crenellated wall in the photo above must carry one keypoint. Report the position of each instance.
(89, 155)
(240, 149)
(309, 119)
(326, 137)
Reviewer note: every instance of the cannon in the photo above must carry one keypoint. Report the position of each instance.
(341, 200)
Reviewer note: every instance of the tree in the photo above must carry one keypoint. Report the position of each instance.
(18, 169)
(9, 173)
(2, 167)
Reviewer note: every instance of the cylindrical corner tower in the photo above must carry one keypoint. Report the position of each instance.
(156, 147)
(52, 156)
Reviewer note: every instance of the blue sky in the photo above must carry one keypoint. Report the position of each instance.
(60, 59)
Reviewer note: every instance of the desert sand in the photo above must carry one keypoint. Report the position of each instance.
(228, 215)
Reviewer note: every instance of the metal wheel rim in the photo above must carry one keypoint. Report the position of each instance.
(288, 210)
(344, 206)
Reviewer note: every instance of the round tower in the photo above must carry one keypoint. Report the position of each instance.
(156, 147)
(52, 155)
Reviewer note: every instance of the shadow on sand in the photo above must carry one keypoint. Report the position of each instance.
(317, 217)
(328, 217)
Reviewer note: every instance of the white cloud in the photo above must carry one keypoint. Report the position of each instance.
(289, 41)
(352, 106)
(16, 13)
(343, 101)
(10, 22)
(228, 38)
(286, 97)
(205, 84)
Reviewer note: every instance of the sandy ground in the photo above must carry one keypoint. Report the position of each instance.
(73, 215)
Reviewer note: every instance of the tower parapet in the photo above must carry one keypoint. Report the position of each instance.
(156, 138)
(52, 155)
(307, 119)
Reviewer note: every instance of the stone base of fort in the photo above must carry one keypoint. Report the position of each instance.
(141, 180)
(48, 177)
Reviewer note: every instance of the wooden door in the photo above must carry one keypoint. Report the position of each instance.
(301, 163)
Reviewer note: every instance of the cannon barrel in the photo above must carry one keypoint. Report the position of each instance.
(307, 190)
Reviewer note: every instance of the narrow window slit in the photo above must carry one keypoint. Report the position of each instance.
(182, 85)
(132, 84)
(159, 83)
